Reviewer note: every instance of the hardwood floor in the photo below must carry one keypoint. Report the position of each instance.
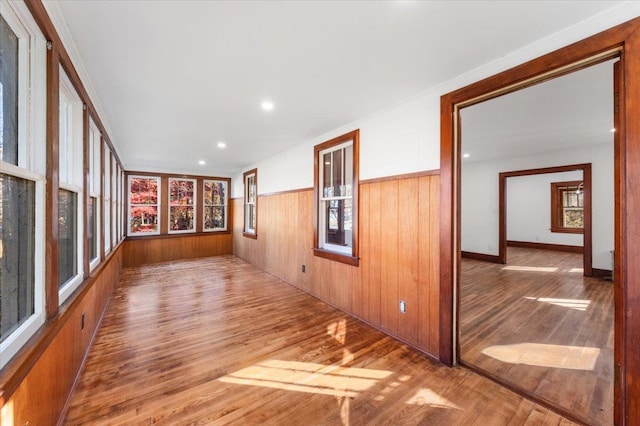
(538, 324)
(217, 341)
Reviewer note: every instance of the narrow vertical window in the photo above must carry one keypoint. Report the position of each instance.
(182, 193)
(143, 205)
(251, 203)
(70, 192)
(215, 205)
(93, 206)
(106, 197)
(22, 177)
(336, 191)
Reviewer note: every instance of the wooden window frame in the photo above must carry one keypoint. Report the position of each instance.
(246, 231)
(354, 137)
(225, 205)
(193, 205)
(557, 207)
(158, 205)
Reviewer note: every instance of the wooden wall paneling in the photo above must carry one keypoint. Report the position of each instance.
(374, 255)
(41, 396)
(434, 267)
(142, 251)
(360, 298)
(424, 264)
(342, 285)
(408, 259)
(388, 214)
(304, 238)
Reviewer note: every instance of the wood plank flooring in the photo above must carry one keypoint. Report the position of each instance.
(217, 341)
(538, 324)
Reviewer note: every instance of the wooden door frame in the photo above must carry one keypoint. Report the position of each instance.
(620, 41)
(588, 231)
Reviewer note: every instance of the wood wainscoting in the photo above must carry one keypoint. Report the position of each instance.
(35, 391)
(399, 255)
(165, 248)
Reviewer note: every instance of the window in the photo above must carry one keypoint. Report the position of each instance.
(70, 192)
(336, 192)
(250, 203)
(215, 205)
(182, 193)
(114, 202)
(106, 181)
(93, 207)
(143, 205)
(567, 207)
(22, 177)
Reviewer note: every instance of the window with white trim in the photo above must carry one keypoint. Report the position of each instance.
(182, 199)
(22, 177)
(114, 202)
(215, 205)
(144, 211)
(106, 197)
(93, 207)
(336, 190)
(251, 203)
(70, 192)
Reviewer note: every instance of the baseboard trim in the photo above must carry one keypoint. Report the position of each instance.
(480, 256)
(546, 246)
(602, 273)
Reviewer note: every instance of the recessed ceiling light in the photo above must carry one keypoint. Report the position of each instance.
(267, 105)
(466, 155)
(202, 162)
(222, 145)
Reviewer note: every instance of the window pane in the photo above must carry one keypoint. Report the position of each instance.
(181, 192)
(8, 94)
(17, 250)
(573, 218)
(338, 229)
(181, 218)
(93, 227)
(144, 219)
(143, 191)
(214, 218)
(68, 241)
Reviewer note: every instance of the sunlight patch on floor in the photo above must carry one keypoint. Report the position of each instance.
(530, 268)
(577, 304)
(543, 355)
(576, 270)
(308, 377)
(428, 397)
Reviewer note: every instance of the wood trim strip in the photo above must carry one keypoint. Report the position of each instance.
(545, 246)
(288, 191)
(21, 364)
(434, 172)
(480, 256)
(336, 257)
(53, 182)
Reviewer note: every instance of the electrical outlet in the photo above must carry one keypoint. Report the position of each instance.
(82, 322)
(403, 306)
(304, 268)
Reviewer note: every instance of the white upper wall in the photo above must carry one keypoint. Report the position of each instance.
(405, 137)
(480, 201)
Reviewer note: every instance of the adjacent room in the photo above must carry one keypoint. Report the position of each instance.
(331, 213)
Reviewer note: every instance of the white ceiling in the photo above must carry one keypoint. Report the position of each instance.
(566, 112)
(175, 77)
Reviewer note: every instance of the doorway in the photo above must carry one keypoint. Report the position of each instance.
(621, 41)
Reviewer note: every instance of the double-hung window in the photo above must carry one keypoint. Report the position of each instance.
(70, 192)
(93, 206)
(336, 192)
(251, 203)
(144, 211)
(22, 177)
(106, 197)
(182, 199)
(215, 205)
(567, 207)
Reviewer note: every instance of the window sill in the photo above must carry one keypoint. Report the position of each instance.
(250, 235)
(568, 230)
(336, 257)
